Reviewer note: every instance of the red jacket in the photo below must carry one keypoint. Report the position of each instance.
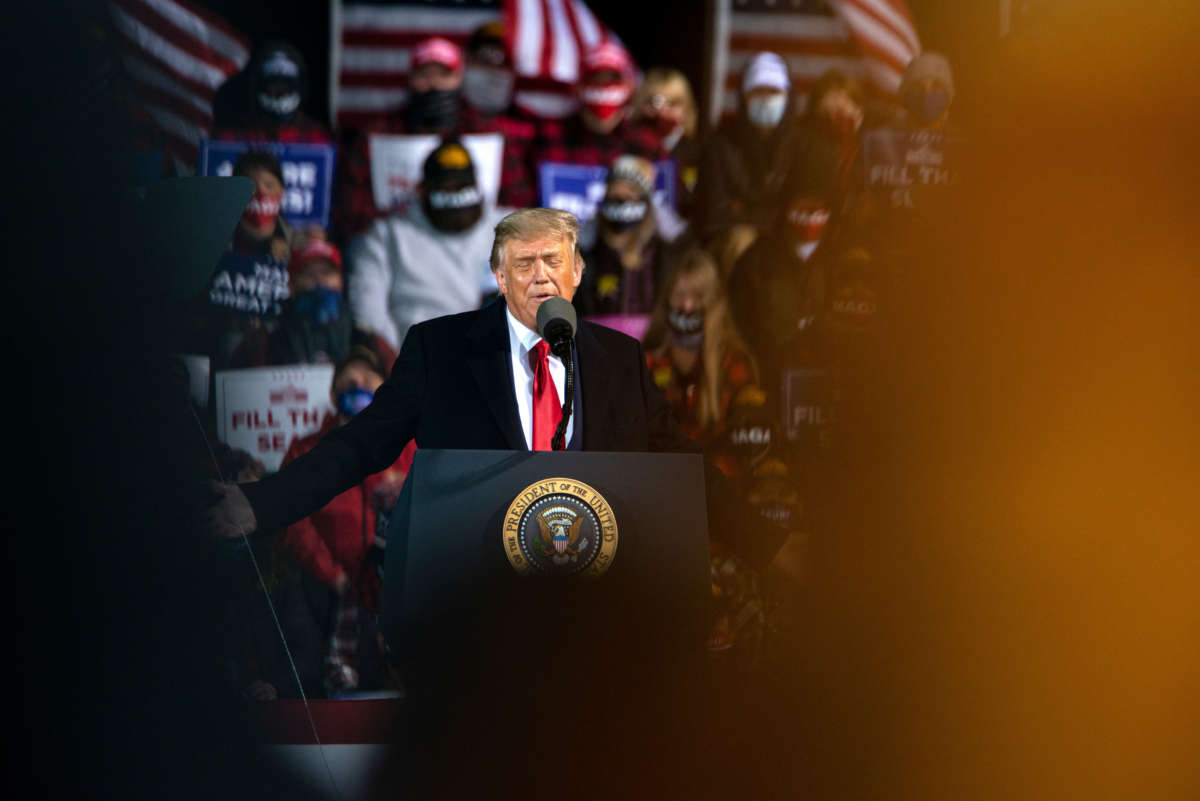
(334, 539)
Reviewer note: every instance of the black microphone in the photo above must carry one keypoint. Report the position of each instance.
(556, 322)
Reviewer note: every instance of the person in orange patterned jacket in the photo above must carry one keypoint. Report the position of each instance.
(332, 544)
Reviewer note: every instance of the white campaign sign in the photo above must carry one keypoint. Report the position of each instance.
(397, 159)
(262, 409)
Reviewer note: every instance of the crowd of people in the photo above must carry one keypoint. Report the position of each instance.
(754, 293)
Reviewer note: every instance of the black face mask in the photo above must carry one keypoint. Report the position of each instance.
(435, 110)
(453, 210)
(321, 305)
(623, 215)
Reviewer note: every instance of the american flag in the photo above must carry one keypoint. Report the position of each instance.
(372, 41)
(176, 55)
(550, 39)
(873, 40)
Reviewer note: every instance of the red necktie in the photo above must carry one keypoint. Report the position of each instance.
(547, 411)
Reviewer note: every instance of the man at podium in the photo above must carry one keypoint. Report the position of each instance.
(486, 380)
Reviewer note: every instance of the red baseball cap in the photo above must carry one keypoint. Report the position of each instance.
(436, 50)
(312, 250)
(609, 56)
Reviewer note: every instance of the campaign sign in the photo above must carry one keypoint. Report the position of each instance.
(907, 164)
(806, 412)
(262, 409)
(579, 189)
(253, 286)
(307, 175)
(633, 325)
(397, 161)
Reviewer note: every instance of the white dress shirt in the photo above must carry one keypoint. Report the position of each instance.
(521, 340)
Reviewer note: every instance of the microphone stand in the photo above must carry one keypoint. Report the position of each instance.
(565, 352)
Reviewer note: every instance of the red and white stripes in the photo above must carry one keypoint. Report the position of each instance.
(372, 56)
(872, 40)
(176, 55)
(550, 40)
(885, 37)
(371, 53)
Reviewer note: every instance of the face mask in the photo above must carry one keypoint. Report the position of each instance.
(665, 126)
(780, 513)
(262, 210)
(623, 215)
(463, 198)
(766, 112)
(281, 106)
(808, 224)
(776, 500)
(353, 401)
(688, 329)
(488, 89)
(928, 106)
(750, 440)
(605, 101)
(434, 110)
(321, 305)
(453, 211)
(841, 125)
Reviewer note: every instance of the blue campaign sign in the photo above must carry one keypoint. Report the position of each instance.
(579, 189)
(256, 287)
(307, 175)
(806, 405)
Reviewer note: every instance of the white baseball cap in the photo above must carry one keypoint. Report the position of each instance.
(766, 70)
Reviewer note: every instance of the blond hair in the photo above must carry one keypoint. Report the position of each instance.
(529, 224)
(720, 334)
(658, 77)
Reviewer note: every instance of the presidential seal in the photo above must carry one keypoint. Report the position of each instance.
(559, 527)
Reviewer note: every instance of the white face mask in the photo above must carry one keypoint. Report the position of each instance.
(766, 112)
(281, 105)
(487, 88)
(460, 199)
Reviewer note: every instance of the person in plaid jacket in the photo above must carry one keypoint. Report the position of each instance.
(433, 107)
(693, 350)
(602, 129)
(447, 97)
(487, 93)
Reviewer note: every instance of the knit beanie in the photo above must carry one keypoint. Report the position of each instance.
(634, 169)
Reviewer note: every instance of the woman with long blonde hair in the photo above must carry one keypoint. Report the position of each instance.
(693, 350)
